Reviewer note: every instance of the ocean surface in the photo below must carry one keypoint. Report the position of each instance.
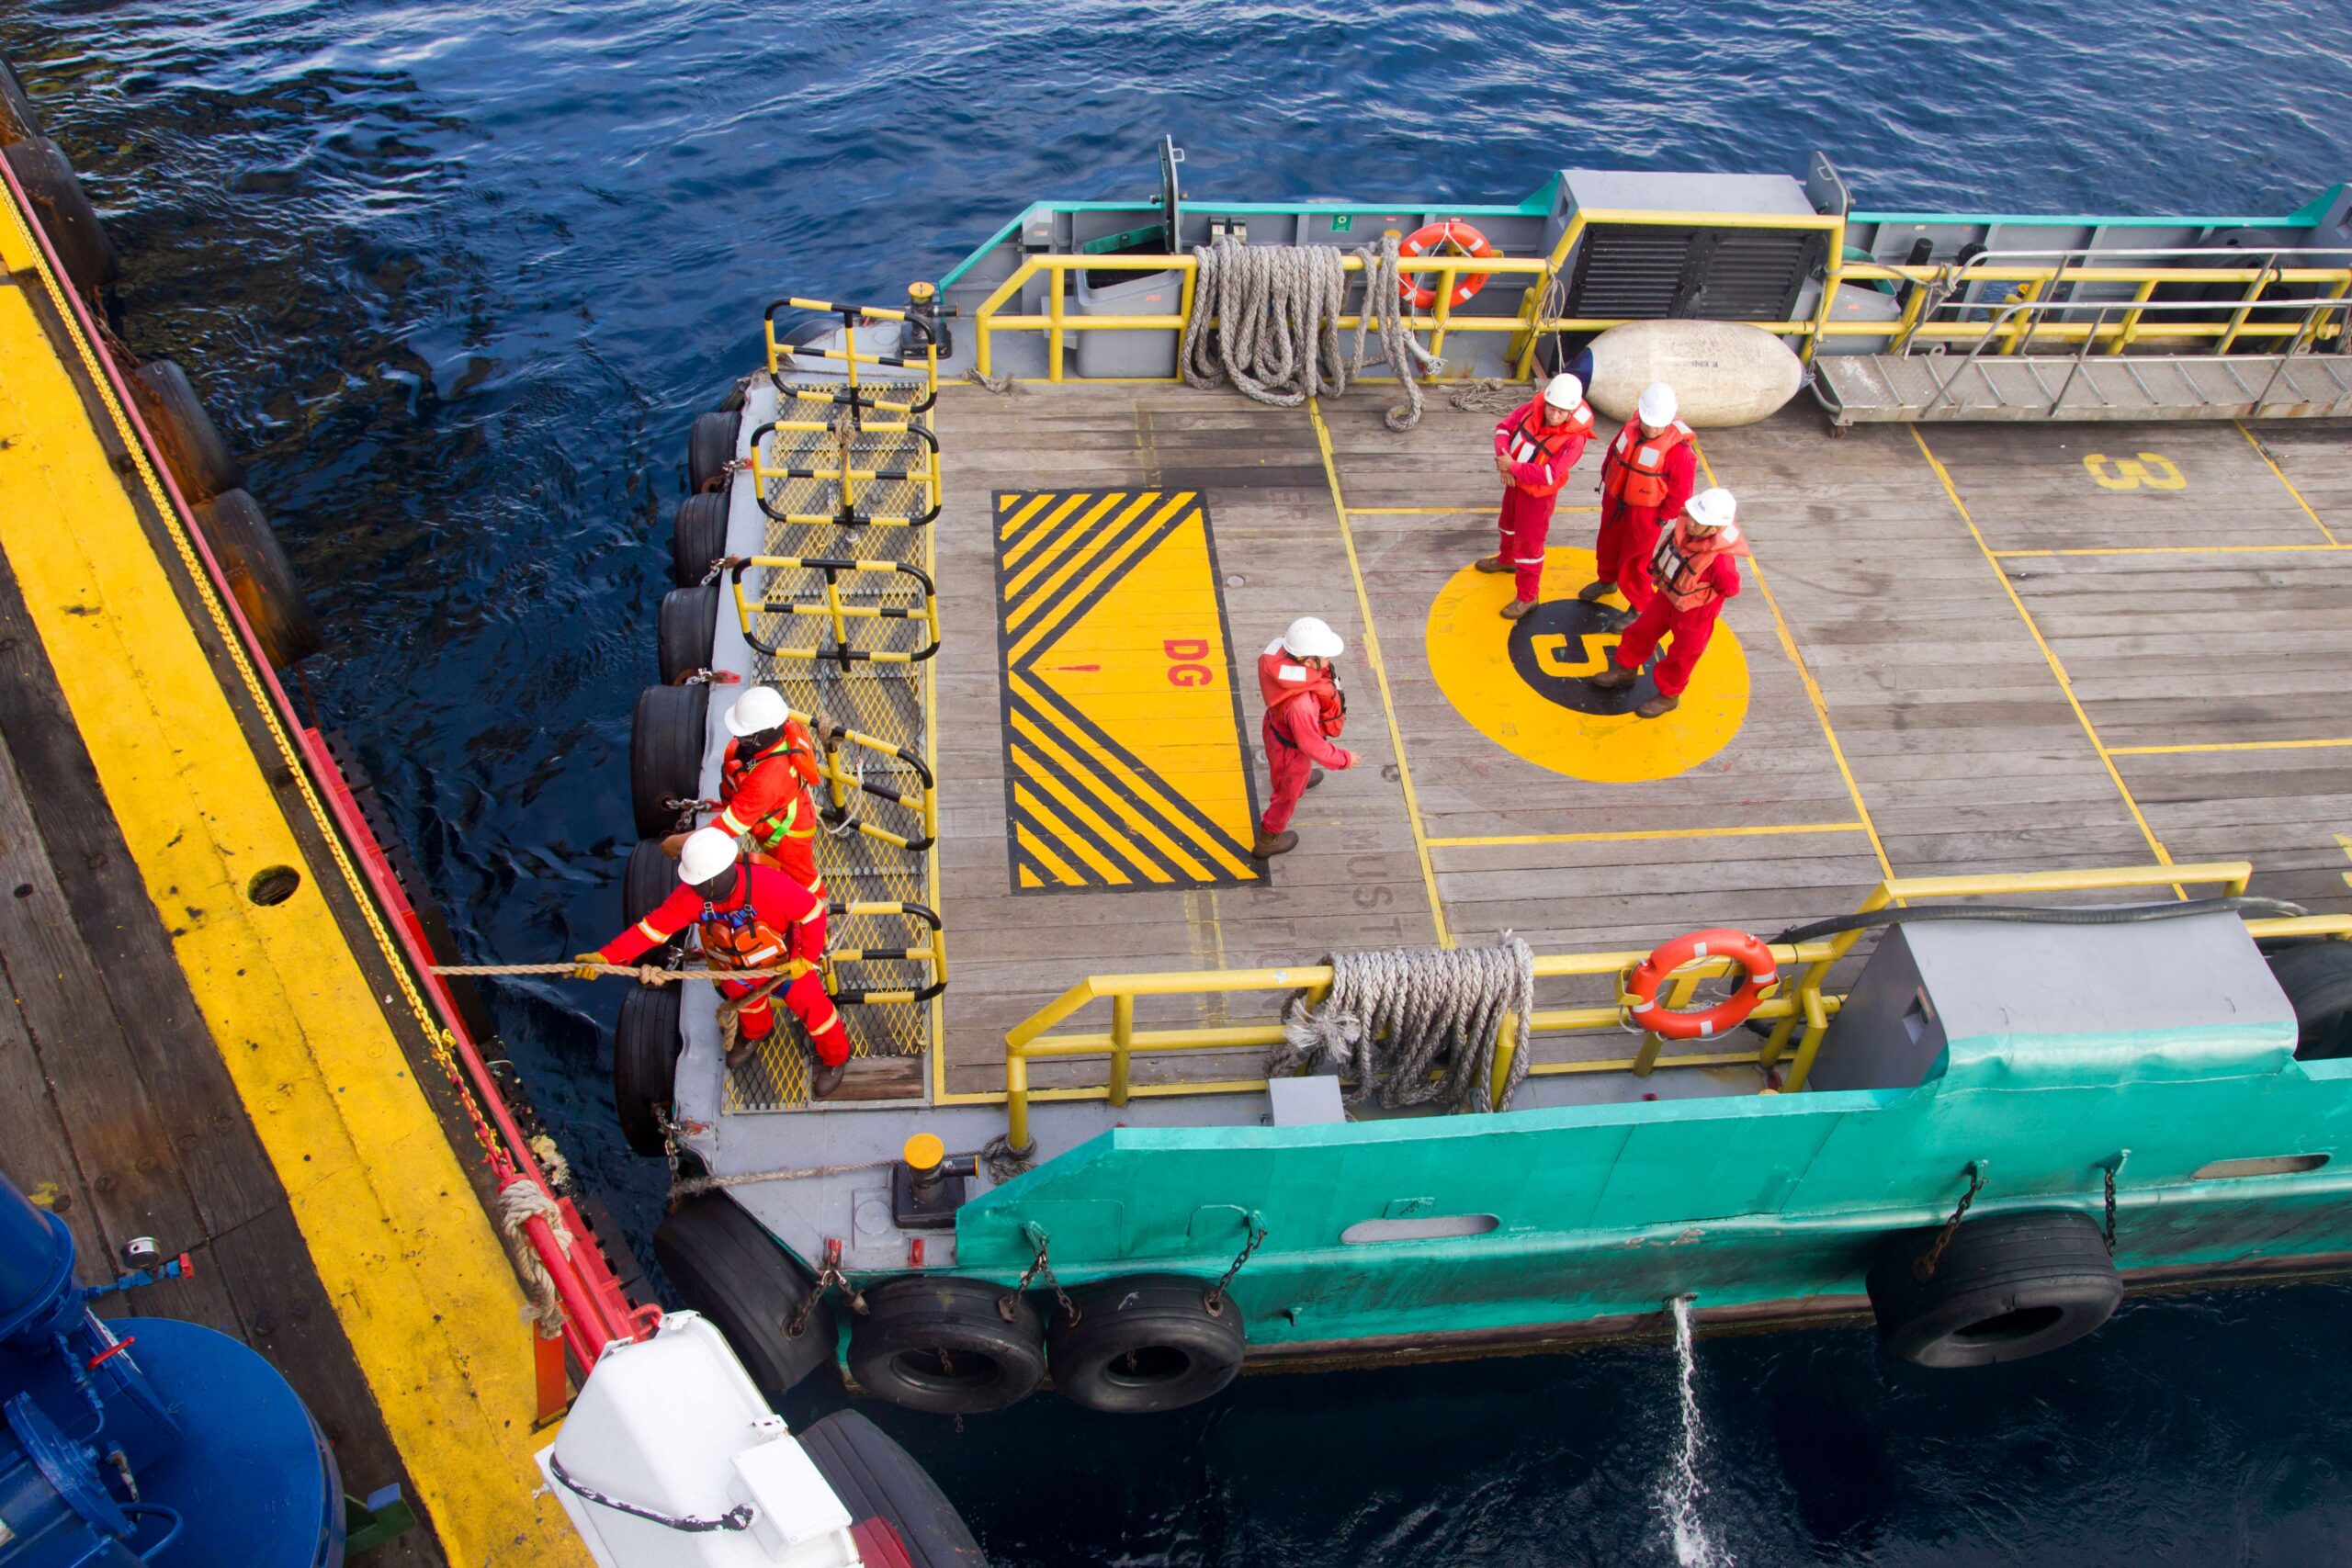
(455, 278)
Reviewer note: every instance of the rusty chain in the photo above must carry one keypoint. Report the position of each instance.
(1923, 1267)
(827, 1278)
(1041, 1265)
(1215, 1300)
(2110, 1172)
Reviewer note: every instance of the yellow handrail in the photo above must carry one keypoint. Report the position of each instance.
(1805, 1003)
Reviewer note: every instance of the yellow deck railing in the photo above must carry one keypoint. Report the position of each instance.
(1938, 308)
(1799, 1012)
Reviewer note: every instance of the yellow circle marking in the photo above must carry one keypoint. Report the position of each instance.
(924, 1151)
(1470, 649)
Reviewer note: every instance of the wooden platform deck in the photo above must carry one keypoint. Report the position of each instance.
(2007, 647)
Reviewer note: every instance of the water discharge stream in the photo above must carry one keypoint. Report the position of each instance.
(1681, 1492)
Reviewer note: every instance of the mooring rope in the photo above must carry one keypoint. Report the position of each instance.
(520, 1201)
(1277, 310)
(1413, 1025)
(646, 974)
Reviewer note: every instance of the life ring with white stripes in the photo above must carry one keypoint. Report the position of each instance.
(1643, 983)
(1425, 241)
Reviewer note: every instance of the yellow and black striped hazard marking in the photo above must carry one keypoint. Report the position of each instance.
(1124, 766)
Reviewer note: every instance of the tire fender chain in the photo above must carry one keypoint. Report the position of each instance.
(1923, 1267)
(1214, 1299)
(1041, 1267)
(828, 1276)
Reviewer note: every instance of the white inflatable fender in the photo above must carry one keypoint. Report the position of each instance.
(1723, 373)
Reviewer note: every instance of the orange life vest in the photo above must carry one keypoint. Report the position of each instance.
(797, 818)
(735, 936)
(1636, 470)
(1282, 679)
(1679, 564)
(1533, 441)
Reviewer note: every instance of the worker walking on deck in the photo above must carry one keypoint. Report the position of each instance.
(746, 916)
(1306, 710)
(1647, 477)
(764, 785)
(1535, 446)
(1695, 569)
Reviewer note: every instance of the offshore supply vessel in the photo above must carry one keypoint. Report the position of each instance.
(352, 1264)
(2025, 753)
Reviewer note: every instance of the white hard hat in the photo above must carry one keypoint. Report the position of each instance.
(1657, 404)
(1712, 508)
(757, 709)
(708, 853)
(1310, 638)
(1564, 391)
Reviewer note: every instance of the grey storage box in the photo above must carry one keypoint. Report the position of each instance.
(1127, 351)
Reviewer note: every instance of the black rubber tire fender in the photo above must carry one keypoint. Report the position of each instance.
(943, 1346)
(697, 537)
(686, 630)
(665, 747)
(875, 1478)
(710, 446)
(2007, 1287)
(650, 877)
(64, 211)
(725, 1265)
(18, 119)
(2317, 980)
(1145, 1343)
(646, 1046)
(260, 576)
(187, 440)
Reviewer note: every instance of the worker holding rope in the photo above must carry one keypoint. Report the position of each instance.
(764, 785)
(746, 916)
(1535, 446)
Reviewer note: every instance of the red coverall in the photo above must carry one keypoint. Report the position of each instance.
(766, 919)
(1293, 732)
(1691, 588)
(1541, 456)
(1631, 470)
(767, 797)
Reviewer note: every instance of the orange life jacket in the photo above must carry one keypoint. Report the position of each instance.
(1533, 441)
(1634, 472)
(735, 936)
(1679, 564)
(1282, 679)
(797, 818)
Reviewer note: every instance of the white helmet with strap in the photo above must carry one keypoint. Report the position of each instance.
(759, 708)
(707, 853)
(1564, 391)
(1712, 509)
(1310, 638)
(1658, 406)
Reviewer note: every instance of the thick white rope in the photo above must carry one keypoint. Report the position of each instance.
(520, 1201)
(1409, 1026)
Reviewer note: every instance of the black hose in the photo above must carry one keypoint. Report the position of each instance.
(2125, 915)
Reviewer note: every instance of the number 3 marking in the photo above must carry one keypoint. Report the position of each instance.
(2132, 473)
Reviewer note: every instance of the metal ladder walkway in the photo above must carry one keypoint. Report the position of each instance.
(1877, 389)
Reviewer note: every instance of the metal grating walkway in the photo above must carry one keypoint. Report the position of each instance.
(1869, 388)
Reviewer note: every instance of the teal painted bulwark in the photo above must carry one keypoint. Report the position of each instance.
(1764, 1206)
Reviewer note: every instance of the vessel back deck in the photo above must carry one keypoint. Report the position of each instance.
(1984, 648)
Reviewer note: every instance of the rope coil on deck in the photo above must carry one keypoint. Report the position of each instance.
(1277, 310)
(1414, 1025)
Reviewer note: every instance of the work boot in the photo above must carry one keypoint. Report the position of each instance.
(1517, 608)
(1617, 680)
(1615, 620)
(1658, 706)
(1490, 564)
(1592, 591)
(1314, 777)
(827, 1079)
(1269, 845)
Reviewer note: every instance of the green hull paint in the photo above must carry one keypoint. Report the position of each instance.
(1759, 1201)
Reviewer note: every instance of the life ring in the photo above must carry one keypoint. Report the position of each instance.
(1425, 241)
(1642, 986)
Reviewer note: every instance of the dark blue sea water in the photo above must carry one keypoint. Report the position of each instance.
(457, 277)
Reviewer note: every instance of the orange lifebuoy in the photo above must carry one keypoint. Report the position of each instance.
(1425, 241)
(1642, 985)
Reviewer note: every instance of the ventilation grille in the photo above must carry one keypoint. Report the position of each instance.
(1642, 272)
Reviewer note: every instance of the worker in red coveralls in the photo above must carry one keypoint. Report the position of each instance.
(1535, 446)
(1695, 569)
(1305, 713)
(746, 916)
(764, 783)
(1647, 477)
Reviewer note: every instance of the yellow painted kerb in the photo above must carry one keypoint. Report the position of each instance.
(418, 1277)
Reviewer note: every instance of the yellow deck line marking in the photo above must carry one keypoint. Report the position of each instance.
(2344, 842)
(1379, 671)
(1044, 851)
(1638, 835)
(2174, 551)
(1093, 567)
(1087, 850)
(2223, 746)
(1017, 587)
(2272, 464)
(1008, 527)
(2106, 757)
(1812, 690)
(421, 1284)
(1074, 767)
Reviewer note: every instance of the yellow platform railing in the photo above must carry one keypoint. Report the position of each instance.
(1799, 1012)
(1935, 310)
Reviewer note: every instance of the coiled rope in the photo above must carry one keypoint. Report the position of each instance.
(1277, 310)
(520, 1201)
(1413, 1025)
